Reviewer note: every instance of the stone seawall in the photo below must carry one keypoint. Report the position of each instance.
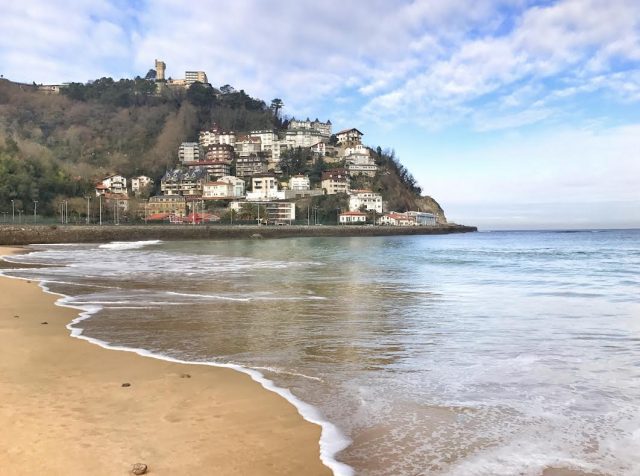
(29, 234)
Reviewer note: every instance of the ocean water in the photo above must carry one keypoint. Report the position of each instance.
(498, 353)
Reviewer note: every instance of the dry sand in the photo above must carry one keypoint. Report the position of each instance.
(63, 410)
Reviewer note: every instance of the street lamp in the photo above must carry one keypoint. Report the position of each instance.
(13, 211)
(35, 210)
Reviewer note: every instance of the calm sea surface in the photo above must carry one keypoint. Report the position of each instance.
(479, 354)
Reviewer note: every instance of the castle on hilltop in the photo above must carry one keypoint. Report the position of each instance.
(190, 77)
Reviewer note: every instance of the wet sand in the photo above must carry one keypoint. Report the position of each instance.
(64, 409)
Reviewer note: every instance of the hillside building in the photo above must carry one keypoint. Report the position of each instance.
(191, 77)
(169, 204)
(251, 165)
(113, 184)
(349, 137)
(186, 183)
(263, 187)
(335, 181)
(365, 199)
(321, 128)
(189, 152)
(216, 136)
(139, 183)
(299, 183)
(348, 218)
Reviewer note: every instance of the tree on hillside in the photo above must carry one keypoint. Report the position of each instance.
(276, 106)
(200, 95)
(295, 161)
(227, 89)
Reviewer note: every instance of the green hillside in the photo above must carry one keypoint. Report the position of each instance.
(58, 145)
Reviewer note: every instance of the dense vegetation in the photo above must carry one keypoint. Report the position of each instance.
(55, 146)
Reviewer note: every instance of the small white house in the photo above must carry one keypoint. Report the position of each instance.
(347, 218)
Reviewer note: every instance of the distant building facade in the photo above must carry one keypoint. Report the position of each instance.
(335, 181)
(365, 198)
(113, 184)
(349, 136)
(348, 218)
(191, 77)
(216, 136)
(189, 152)
(171, 204)
(140, 182)
(263, 187)
(299, 182)
(251, 165)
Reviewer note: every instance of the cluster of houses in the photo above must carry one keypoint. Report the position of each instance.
(204, 173)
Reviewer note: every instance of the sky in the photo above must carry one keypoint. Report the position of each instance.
(512, 114)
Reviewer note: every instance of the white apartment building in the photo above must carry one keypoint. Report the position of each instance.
(191, 77)
(264, 187)
(225, 187)
(189, 152)
(366, 199)
(237, 185)
(217, 189)
(299, 182)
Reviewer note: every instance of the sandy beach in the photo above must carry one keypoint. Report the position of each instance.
(64, 409)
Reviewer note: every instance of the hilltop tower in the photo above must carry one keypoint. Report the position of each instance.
(160, 68)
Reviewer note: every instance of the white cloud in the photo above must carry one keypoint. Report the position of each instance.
(574, 40)
(68, 40)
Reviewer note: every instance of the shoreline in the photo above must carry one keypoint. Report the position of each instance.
(17, 235)
(58, 395)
